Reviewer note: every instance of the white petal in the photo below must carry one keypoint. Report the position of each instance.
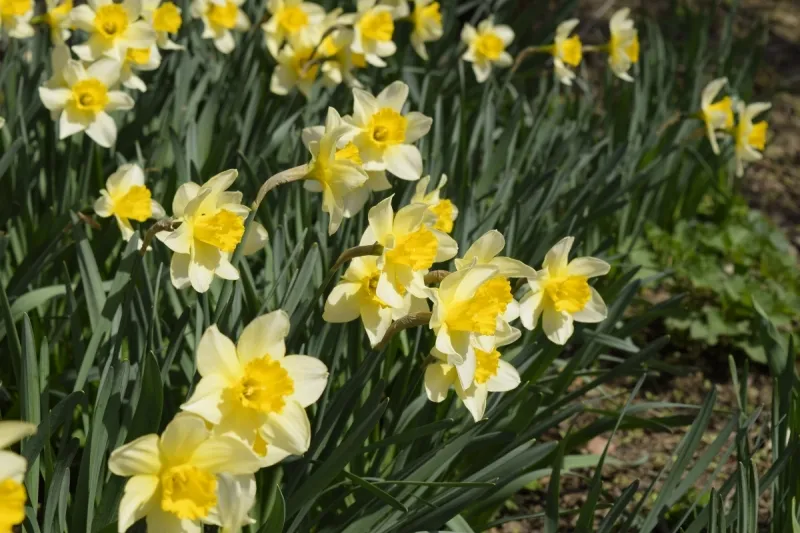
(54, 99)
(474, 399)
(394, 96)
(225, 454)
(136, 500)
(439, 378)
(511, 268)
(69, 124)
(204, 261)
(179, 270)
(103, 130)
(256, 239)
(207, 398)
(184, 194)
(381, 219)
(12, 466)
(364, 106)
(530, 308)
(140, 457)
(289, 429)
(557, 258)
(264, 336)
(117, 100)
(588, 267)
(376, 322)
(216, 354)
(182, 436)
(506, 378)
(106, 70)
(103, 206)
(310, 376)
(235, 497)
(486, 247)
(557, 326)
(404, 161)
(12, 431)
(178, 240)
(595, 310)
(343, 303)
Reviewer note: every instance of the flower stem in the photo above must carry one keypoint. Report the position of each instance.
(165, 224)
(281, 178)
(407, 322)
(529, 51)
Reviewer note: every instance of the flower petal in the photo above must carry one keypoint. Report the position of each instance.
(216, 354)
(588, 267)
(179, 270)
(394, 96)
(207, 398)
(103, 130)
(439, 377)
(265, 335)
(557, 326)
(595, 310)
(557, 258)
(140, 457)
(289, 429)
(404, 161)
(343, 303)
(12, 466)
(137, 500)
(12, 431)
(506, 378)
(310, 376)
(225, 454)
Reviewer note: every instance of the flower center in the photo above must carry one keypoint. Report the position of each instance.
(570, 294)
(570, 51)
(349, 153)
(424, 15)
(444, 215)
(90, 95)
(188, 492)
(58, 14)
(479, 313)
(167, 18)
(416, 250)
(487, 365)
(720, 115)
(12, 504)
(377, 26)
(387, 127)
(111, 21)
(140, 56)
(223, 16)
(223, 230)
(632, 50)
(292, 19)
(758, 135)
(14, 8)
(264, 386)
(370, 287)
(489, 46)
(134, 204)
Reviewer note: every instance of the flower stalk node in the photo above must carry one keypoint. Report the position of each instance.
(407, 322)
(166, 224)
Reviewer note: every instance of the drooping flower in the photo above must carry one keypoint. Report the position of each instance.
(255, 391)
(175, 479)
(373, 26)
(486, 47)
(335, 170)
(561, 294)
(84, 103)
(567, 51)
(750, 137)
(356, 296)
(138, 59)
(623, 47)
(716, 116)
(112, 29)
(166, 19)
(219, 18)
(427, 22)
(126, 198)
(58, 18)
(292, 21)
(410, 247)
(385, 136)
(12, 471)
(492, 374)
(211, 227)
(15, 18)
(444, 210)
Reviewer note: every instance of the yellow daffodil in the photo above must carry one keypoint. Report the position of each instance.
(166, 19)
(492, 374)
(486, 47)
(750, 137)
(58, 18)
(296, 68)
(356, 296)
(219, 18)
(112, 29)
(211, 226)
(126, 198)
(335, 168)
(718, 116)
(444, 210)
(341, 62)
(12, 471)
(15, 18)
(255, 391)
(373, 27)
(427, 22)
(561, 294)
(410, 247)
(567, 51)
(469, 316)
(83, 104)
(385, 135)
(175, 478)
(138, 59)
(623, 47)
(291, 21)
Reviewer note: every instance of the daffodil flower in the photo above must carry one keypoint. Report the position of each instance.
(486, 47)
(492, 374)
(373, 26)
(716, 115)
(356, 296)
(126, 198)
(12, 471)
(335, 172)
(211, 226)
(296, 68)
(175, 478)
(427, 22)
(469, 316)
(561, 294)
(750, 137)
(444, 210)
(623, 47)
(112, 29)
(567, 51)
(166, 20)
(58, 18)
(219, 18)
(15, 18)
(84, 104)
(291, 21)
(410, 247)
(138, 59)
(385, 138)
(255, 391)
(341, 62)
(486, 250)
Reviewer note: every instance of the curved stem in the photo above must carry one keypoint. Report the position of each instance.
(165, 224)
(356, 251)
(529, 51)
(287, 176)
(408, 321)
